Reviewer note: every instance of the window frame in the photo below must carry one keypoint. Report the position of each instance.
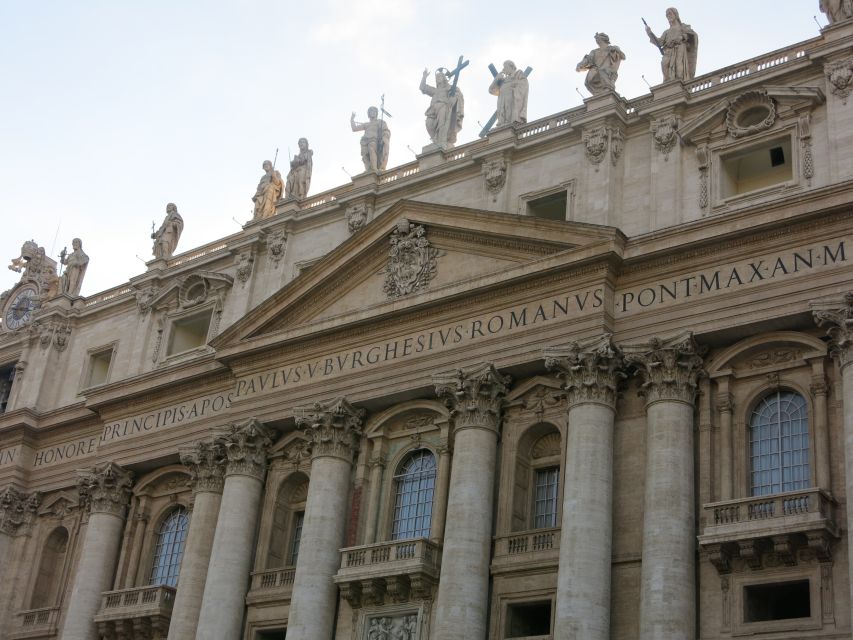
(567, 187)
(165, 517)
(86, 377)
(772, 576)
(187, 315)
(393, 483)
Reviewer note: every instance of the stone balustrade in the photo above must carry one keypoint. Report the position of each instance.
(140, 612)
(271, 586)
(36, 623)
(396, 570)
(538, 546)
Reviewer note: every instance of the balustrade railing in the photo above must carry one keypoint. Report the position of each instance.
(138, 599)
(526, 542)
(419, 550)
(38, 618)
(808, 502)
(273, 579)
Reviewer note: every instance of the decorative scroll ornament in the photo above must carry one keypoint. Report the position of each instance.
(17, 510)
(840, 77)
(670, 368)
(357, 215)
(703, 157)
(105, 489)
(206, 464)
(474, 396)
(665, 134)
(48, 333)
(245, 265)
(332, 428)
(839, 329)
(276, 242)
(412, 260)
(599, 140)
(590, 370)
(245, 445)
(750, 113)
(494, 173)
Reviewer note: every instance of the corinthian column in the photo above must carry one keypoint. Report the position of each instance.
(590, 372)
(839, 324)
(17, 512)
(334, 433)
(670, 370)
(245, 446)
(474, 397)
(206, 464)
(105, 491)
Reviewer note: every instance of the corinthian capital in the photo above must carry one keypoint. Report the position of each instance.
(839, 327)
(105, 488)
(590, 370)
(206, 464)
(245, 445)
(17, 510)
(670, 367)
(474, 396)
(333, 428)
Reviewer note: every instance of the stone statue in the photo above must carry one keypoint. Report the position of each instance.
(167, 236)
(75, 268)
(510, 86)
(299, 176)
(837, 10)
(601, 65)
(445, 113)
(374, 142)
(679, 46)
(268, 192)
(373, 631)
(408, 629)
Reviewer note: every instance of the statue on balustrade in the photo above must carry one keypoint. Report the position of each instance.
(446, 109)
(75, 268)
(375, 141)
(167, 236)
(268, 192)
(299, 177)
(601, 65)
(837, 10)
(679, 46)
(511, 87)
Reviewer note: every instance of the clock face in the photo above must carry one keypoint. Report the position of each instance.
(20, 309)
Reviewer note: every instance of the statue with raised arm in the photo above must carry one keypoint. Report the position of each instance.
(679, 46)
(299, 176)
(374, 142)
(837, 10)
(601, 65)
(167, 236)
(75, 268)
(510, 86)
(446, 109)
(268, 192)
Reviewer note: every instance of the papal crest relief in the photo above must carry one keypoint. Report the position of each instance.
(411, 260)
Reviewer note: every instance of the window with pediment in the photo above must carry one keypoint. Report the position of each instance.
(779, 444)
(414, 489)
(171, 536)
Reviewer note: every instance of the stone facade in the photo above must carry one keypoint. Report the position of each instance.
(586, 377)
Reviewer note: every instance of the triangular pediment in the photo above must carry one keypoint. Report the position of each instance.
(466, 247)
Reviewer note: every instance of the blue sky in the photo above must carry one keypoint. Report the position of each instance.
(109, 110)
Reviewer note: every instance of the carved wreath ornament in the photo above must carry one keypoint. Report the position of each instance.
(411, 260)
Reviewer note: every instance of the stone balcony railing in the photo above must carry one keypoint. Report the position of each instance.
(538, 548)
(780, 523)
(271, 586)
(36, 623)
(136, 613)
(395, 571)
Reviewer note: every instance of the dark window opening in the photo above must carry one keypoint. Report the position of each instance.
(781, 601)
(271, 634)
(7, 376)
(551, 207)
(528, 619)
(758, 168)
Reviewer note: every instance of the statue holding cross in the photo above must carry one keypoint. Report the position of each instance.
(511, 87)
(447, 106)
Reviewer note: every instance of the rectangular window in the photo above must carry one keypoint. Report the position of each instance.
(758, 168)
(780, 601)
(295, 538)
(550, 207)
(189, 333)
(7, 376)
(545, 498)
(528, 619)
(99, 367)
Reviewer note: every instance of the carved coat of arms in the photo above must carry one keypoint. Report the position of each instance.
(411, 261)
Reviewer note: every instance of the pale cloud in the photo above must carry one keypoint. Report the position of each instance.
(355, 20)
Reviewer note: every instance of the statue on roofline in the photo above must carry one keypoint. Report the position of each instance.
(375, 141)
(167, 236)
(679, 46)
(299, 176)
(601, 65)
(837, 10)
(268, 192)
(75, 264)
(446, 109)
(511, 88)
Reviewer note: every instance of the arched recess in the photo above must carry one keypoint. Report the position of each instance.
(286, 525)
(536, 476)
(49, 576)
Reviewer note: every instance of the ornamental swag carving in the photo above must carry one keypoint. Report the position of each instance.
(105, 489)
(840, 77)
(665, 134)
(332, 428)
(357, 215)
(474, 395)
(494, 173)
(411, 260)
(590, 370)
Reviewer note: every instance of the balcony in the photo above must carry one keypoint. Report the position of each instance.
(781, 523)
(140, 613)
(389, 571)
(535, 549)
(36, 623)
(272, 586)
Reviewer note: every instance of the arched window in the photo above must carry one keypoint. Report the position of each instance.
(414, 486)
(169, 548)
(46, 591)
(779, 444)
